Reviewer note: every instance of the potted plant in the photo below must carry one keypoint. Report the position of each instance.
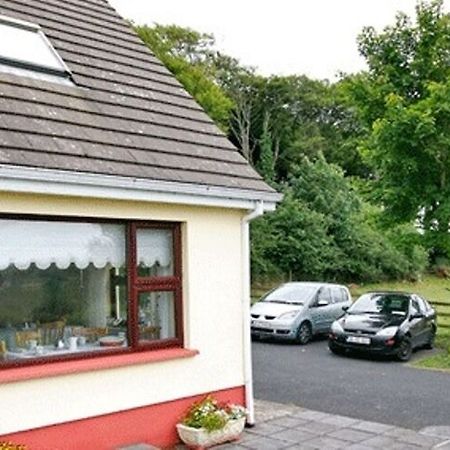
(209, 423)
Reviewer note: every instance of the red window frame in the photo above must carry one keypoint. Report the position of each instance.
(171, 283)
(135, 285)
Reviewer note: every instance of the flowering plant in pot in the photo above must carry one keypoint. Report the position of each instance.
(210, 422)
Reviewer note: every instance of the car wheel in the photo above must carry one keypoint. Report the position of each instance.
(304, 333)
(404, 350)
(334, 349)
(430, 343)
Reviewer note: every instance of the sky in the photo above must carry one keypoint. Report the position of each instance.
(283, 37)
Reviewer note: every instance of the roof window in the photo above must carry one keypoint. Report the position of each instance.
(25, 50)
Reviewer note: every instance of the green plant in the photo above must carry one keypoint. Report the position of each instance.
(212, 415)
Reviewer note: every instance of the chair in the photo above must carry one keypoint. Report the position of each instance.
(149, 333)
(92, 334)
(52, 332)
(24, 337)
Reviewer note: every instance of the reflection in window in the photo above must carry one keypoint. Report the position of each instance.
(156, 315)
(25, 50)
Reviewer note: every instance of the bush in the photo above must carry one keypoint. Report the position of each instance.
(322, 230)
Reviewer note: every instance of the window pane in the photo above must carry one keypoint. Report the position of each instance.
(156, 316)
(154, 252)
(66, 298)
(27, 46)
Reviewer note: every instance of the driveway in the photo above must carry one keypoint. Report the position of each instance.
(382, 391)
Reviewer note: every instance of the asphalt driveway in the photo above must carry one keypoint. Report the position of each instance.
(375, 390)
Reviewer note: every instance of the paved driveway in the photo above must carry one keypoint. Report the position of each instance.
(382, 391)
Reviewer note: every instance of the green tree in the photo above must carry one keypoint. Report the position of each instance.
(190, 56)
(404, 102)
(323, 230)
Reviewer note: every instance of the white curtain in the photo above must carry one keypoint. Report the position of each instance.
(154, 246)
(42, 243)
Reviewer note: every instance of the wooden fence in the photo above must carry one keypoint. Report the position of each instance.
(443, 313)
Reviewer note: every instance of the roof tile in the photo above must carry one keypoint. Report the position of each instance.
(126, 115)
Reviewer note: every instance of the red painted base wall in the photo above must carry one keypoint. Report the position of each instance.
(153, 424)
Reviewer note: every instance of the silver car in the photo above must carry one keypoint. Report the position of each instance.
(298, 310)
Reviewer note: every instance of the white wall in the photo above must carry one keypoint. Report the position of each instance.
(212, 313)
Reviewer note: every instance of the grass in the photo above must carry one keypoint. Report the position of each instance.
(432, 288)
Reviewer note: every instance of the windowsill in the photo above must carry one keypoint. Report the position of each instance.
(53, 369)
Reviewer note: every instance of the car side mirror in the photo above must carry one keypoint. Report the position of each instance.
(416, 316)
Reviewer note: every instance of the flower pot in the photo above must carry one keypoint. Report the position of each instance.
(200, 438)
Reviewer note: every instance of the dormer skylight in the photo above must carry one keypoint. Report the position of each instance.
(25, 50)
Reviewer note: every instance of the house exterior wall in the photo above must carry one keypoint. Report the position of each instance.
(212, 308)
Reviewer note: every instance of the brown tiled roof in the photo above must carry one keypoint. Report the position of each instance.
(126, 115)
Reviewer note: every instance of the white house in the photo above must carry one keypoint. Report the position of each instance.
(124, 260)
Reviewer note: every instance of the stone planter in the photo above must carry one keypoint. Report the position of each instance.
(199, 438)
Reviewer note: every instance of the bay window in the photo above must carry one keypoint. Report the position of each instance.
(72, 288)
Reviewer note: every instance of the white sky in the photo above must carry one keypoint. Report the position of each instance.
(312, 37)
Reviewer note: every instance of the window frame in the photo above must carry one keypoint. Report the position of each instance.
(63, 72)
(135, 285)
(170, 283)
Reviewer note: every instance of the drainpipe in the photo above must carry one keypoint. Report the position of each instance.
(248, 375)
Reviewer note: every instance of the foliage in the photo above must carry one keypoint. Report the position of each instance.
(212, 415)
(322, 230)
(189, 55)
(404, 101)
(361, 162)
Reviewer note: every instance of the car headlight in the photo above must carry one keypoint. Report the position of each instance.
(336, 327)
(291, 315)
(388, 332)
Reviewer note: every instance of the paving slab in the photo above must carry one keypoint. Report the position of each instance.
(319, 427)
(267, 443)
(294, 435)
(324, 442)
(440, 431)
(288, 427)
(340, 421)
(348, 434)
(288, 422)
(372, 427)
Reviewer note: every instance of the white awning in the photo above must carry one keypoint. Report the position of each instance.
(43, 243)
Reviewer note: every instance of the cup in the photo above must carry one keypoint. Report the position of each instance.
(81, 340)
(32, 344)
(39, 349)
(73, 341)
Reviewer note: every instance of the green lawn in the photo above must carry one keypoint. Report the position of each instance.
(430, 287)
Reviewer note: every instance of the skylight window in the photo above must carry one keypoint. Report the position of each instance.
(25, 49)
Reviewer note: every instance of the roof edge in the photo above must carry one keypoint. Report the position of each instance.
(82, 184)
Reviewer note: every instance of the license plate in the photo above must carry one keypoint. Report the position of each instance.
(259, 324)
(359, 340)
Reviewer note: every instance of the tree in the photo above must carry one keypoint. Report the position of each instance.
(190, 56)
(404, 101)
(242, 86)
(322, 230)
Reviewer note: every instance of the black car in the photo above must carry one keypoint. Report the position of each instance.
(388, 323)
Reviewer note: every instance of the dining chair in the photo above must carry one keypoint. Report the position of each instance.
(24, 337)
(149, 333)
(52, 332)
(92, 334)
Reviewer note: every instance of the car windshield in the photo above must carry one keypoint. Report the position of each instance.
(381, 304)
(295, 294)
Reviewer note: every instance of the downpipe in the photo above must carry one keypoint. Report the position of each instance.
(248, 370)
